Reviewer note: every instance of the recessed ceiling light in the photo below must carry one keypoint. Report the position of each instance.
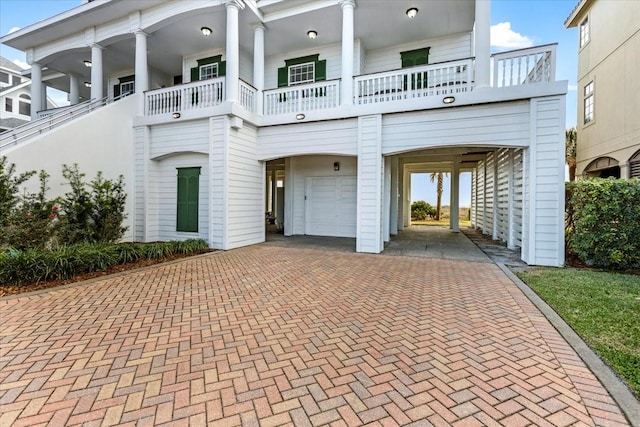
(176, 115)
(206, 31)
(87, 84)
(87, 63)
(312, 34)
(411, 13)
(300, 116)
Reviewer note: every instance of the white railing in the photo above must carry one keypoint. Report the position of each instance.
(189, 96)
(429, 80)
(52, 119)
(248, 95)
(304, 97)
(523, 66)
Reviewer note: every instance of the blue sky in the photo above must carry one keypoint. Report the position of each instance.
(515, 24)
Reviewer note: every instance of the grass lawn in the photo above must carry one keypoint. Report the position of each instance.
(603, 308)
(443, 222)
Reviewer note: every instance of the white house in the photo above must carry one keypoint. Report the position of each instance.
(315, 111)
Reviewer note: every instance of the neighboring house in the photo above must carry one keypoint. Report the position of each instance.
(316, 112)
(608, 88)
(15, 96)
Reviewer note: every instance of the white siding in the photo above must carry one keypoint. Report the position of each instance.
(517, 197)
(443, 49)
(139, 174)
(179, 137)
(245, 189)
(474, 198)
(489, 192)
(311, 166)
(332, 137)
(480, 214)
(217, 166)
(505, 124)
(163, 187)
(370, 176)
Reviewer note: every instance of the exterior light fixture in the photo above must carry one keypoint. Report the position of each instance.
(87, 63)
(87, 84)
(312, 34)
(176, 115)
(336, 166)
(448, 99)
(206, 31)
(411, 13)
(300, 116)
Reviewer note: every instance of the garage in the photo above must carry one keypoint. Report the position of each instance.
(330, 206)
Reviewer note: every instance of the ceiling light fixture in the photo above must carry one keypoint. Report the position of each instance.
(300, 116)
(176, 115)
(87, 63)
(87, 84)
(411, 13)
(206, 31)
(448, 99)
(312, 34)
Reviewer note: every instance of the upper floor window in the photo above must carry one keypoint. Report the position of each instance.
(209, 71)
(302, 73)
(584, 32)
(127, 88)
(588, 102)
(16, 80)
(4, 77)
(8, 105)
(24, 106)
(306, 69)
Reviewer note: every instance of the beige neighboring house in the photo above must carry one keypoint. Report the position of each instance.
(608, 87)
(15, 96)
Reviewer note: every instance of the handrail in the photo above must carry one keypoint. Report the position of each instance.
(187, 96)
(16, 135)
(523, 66)
(303, 97)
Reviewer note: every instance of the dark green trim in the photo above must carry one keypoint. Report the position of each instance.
(320, 68)
(125, 79)
(222, 66)
(188, 197)
(412, 58)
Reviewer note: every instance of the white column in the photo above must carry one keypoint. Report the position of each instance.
(258, 65)
(142, 69)
(394, 196)
(346, 91)
(369, 227)
(407, 199)
(625, 169)
(401, 184)
(455, 196)
(494, 236)
(483, 43)
(74, 93)
(386, 199)
(36, 89)
(43, 104)
(232, 52)
(96, 72)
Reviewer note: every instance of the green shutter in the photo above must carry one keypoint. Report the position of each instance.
(321, 70)
(412, 58)
(195, 74)
(188, 195)
(222, 68)
(116, 91)
(283, 77)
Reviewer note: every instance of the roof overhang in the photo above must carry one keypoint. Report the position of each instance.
(574, 19)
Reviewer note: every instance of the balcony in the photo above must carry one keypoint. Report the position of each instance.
(514, 68)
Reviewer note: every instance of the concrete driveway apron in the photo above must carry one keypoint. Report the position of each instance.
(269, 335)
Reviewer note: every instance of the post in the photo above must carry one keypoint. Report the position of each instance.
(74, 93)
(483, 43)
(36, 89)
(258, 65)
(455, 195)
(142, 69)
(232, 51)
(96, 72)
(346, 92)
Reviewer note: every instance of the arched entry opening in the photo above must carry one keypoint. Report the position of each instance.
(602, 167)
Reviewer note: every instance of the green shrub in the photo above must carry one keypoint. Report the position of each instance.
(420, 210)
(29, 266)
(10, 188)
(603, 222)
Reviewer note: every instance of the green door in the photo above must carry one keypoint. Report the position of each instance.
(188, 195)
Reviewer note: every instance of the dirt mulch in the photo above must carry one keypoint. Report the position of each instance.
(29, 287)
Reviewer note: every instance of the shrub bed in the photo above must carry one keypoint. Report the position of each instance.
(32, 265)
(603, 222)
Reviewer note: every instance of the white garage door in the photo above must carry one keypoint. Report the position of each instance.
(330, 208)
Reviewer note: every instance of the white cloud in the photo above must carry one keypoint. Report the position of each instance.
(13, 30)
(21, 64)
(503, 37)
(572, 88)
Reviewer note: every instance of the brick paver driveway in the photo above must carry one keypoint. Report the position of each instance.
(269, 336)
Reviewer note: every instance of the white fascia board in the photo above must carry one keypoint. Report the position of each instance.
(297, 10)
(252, 6)
(14, 88)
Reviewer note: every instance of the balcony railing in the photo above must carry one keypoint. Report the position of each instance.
(524, 66)
(248, 95)
(305, 97)
(416, 82)
(190, 96)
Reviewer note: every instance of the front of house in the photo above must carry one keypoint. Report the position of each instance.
(316, 112)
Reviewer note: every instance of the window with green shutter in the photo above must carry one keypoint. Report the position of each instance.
(301, 70)
(413, 58)
(188, 195)
(208, 68)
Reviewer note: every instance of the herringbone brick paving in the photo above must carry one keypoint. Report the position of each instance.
(266, 336)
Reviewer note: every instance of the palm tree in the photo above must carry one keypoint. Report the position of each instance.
(571, 143)
(440, 177)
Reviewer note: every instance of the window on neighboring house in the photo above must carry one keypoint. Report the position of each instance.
(8, 105)
(16, 80)
(188, 196)
(209, 68)
(24, 105)
(127, 88)
(4, 77)
(584, 32)
(302, 73)
(208, 71)
(306, 69)
(588, 102)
